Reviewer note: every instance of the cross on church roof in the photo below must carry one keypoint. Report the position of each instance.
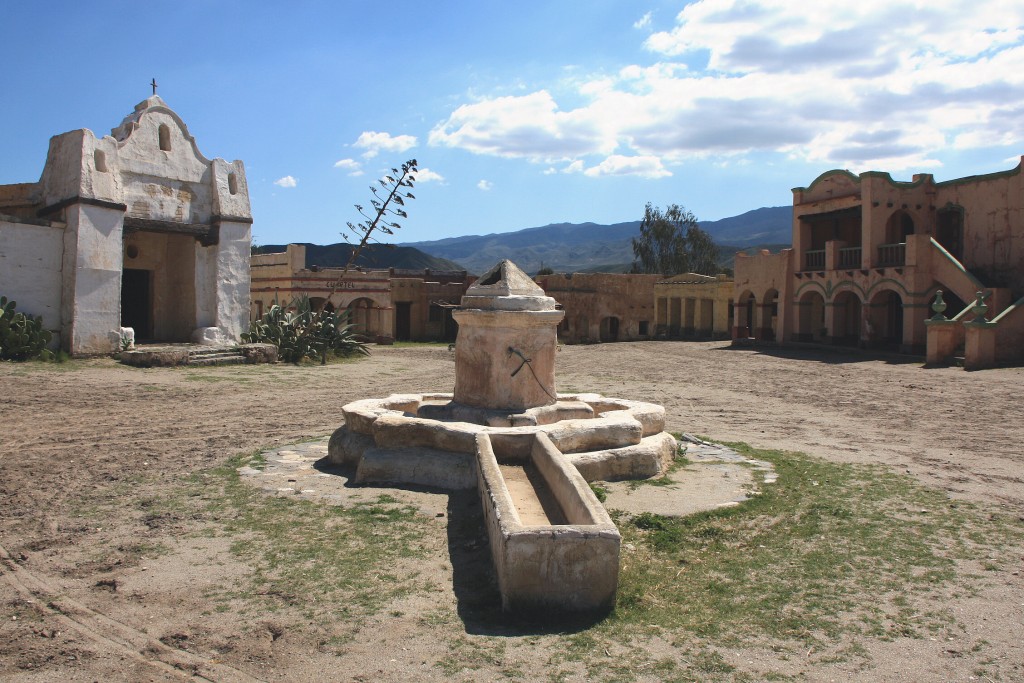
(154, 86)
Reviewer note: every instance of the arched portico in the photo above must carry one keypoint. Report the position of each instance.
(884, 319)
(767, 316)
(810, 317)
(846, 325)
(743, 315)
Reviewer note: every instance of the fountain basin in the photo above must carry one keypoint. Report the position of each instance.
(388, 441)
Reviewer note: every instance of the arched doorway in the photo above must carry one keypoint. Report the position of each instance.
(949, 229)
(846, 319)
(886, 320)
(894, 251)
(743, 311)
(811, 318)
(361, 317)
(769, 316)
(610, 329)
(899, 225)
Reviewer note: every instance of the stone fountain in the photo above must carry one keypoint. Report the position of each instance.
(528, 450)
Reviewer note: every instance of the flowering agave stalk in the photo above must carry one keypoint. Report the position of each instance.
(387, 203)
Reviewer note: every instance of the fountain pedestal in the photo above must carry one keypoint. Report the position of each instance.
(505, 352)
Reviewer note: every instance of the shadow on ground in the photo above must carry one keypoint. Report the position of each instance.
(831, 355)
(474, 581)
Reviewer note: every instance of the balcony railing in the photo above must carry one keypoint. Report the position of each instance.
(814, 259)
(892, 254)
(849, 257)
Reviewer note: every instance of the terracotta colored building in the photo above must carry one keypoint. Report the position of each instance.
(389, 304)
(869, 254)
(694, 305)
(603, 307)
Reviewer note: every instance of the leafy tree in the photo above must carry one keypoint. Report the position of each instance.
(671, 242)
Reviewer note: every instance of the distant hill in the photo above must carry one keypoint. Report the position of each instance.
(373, 256)
(592, 247)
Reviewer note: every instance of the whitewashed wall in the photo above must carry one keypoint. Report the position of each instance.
(30, 269)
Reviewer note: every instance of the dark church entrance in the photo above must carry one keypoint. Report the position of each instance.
(137, 302)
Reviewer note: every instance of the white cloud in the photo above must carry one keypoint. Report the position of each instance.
(874, 84)
(484, 185)
(286, 181)
(525, 126)
(374, 143)
(642, 166)
(353, 167)
(425, 175)
(574, 167)
(643, 22)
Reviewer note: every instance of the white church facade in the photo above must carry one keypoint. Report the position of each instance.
(136, 229)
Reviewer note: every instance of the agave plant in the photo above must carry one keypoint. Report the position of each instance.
(299, 332)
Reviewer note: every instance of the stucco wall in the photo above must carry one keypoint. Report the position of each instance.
(993, 225)
(590, 298)
(91, 304)
(30, 269)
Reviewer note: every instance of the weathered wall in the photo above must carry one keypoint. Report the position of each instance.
(376, 295)
(592, 300)
(91, 295)
(993, 225)
(30, 269)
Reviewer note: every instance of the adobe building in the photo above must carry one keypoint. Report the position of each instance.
(136, 229)
(694, 305)
(603, 307)
(869, 254)
(407, 305)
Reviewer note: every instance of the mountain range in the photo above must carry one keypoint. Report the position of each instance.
(374, 256)
(583, 247)
(563, 247)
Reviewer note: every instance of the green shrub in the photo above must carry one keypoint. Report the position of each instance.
(22, 337)
(305, 333)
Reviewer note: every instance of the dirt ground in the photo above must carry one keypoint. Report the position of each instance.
(81, 597)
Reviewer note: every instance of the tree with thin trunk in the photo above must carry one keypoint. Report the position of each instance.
(671, 242)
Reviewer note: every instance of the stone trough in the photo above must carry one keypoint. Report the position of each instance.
(528, 450)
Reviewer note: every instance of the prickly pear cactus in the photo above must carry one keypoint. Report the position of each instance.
(22, 337)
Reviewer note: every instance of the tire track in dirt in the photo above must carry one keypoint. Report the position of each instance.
(111, 635)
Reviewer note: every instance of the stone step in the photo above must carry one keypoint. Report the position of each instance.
(215, 356)
(217, 360)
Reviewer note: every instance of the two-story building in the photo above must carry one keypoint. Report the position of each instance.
(869, 254)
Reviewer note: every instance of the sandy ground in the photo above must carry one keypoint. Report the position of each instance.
(98, 430)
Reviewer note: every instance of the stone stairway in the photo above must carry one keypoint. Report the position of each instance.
(216, 355)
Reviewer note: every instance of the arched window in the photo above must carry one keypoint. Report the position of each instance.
(99, 159)
(165, 137)
(232, 183)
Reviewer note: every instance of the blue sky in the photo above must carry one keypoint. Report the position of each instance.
(528, 113)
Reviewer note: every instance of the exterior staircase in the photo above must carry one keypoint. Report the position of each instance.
(216, 355)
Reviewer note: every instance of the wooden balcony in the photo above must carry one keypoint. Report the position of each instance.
(850, 257)
(814, 259)
(891, 255)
